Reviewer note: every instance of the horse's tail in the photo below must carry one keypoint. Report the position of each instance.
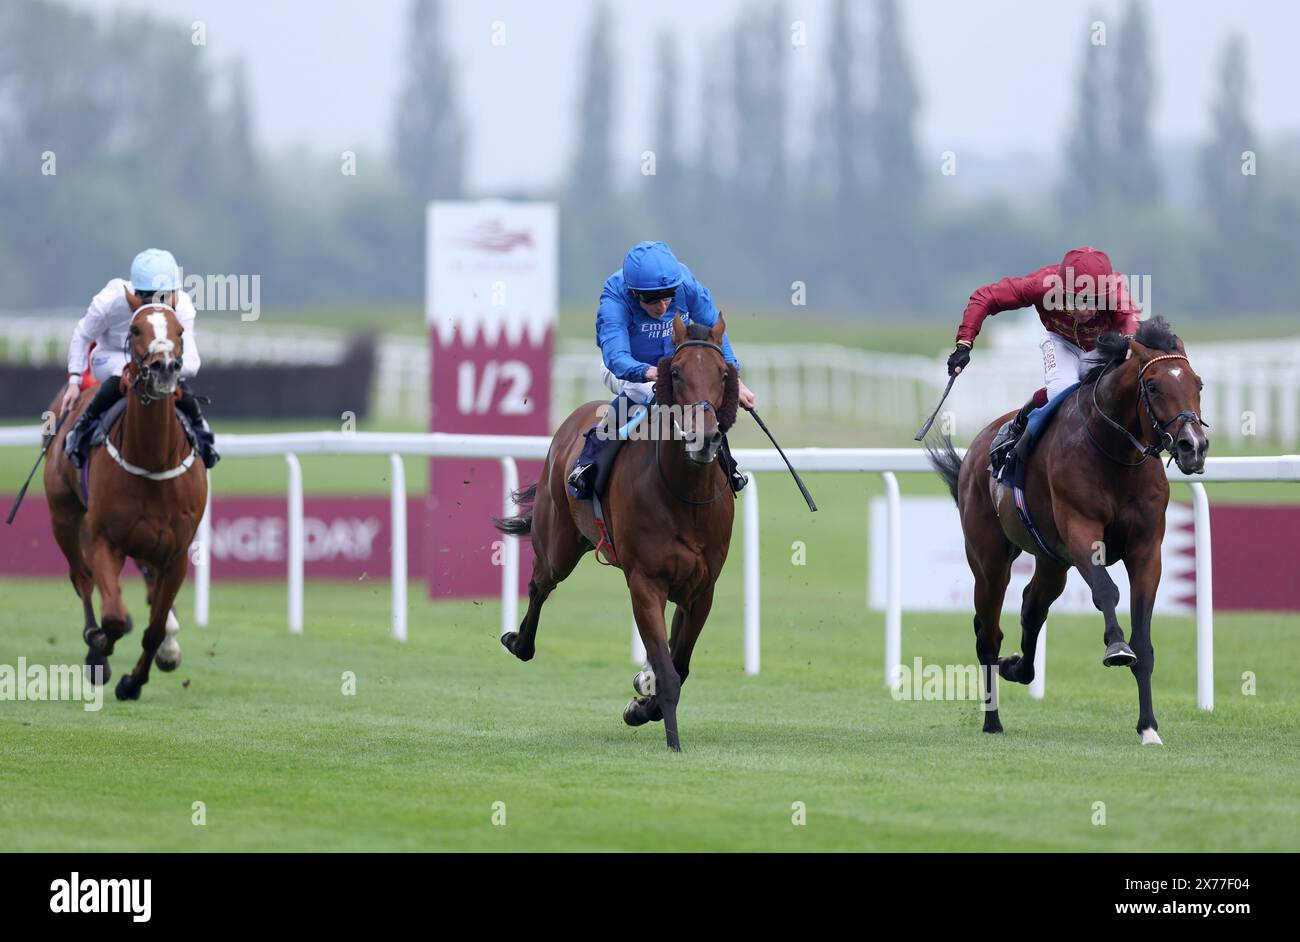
(522, 524)
(945, 460)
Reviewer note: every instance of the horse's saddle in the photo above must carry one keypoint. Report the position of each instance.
(1011, 473)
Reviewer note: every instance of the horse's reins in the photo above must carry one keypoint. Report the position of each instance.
(1164, 438)
(707, 406)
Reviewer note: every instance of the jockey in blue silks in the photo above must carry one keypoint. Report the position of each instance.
(634, 330)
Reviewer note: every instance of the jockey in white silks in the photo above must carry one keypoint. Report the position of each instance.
(155, 279)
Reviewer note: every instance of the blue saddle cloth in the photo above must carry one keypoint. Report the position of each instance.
(1042, 416)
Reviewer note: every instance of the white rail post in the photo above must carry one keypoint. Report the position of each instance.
(203, 563)
(510, 560)
(751, 577)
(1204, 599)
(295, 543)
(894, 581)
(1038, 686)
(397, 524)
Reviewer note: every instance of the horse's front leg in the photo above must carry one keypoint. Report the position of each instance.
(1143, 565)
(167, 585)
(648, 601)
(106, 568)
(1088, 552)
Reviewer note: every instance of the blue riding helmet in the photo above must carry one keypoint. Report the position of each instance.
(651, 266)
(155, 270)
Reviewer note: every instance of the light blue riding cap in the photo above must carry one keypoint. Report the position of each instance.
(155, 270)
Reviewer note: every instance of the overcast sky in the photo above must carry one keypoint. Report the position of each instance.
(996, 75)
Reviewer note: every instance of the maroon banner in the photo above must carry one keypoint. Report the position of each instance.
(344, 538)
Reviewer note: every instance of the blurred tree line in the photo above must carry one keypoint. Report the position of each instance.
(861, 218)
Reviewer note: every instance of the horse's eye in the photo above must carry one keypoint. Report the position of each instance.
(1151, 386)
(135, 331)
(676, 374)
(1200, 384)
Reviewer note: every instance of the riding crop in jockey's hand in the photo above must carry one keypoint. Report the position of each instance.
(812, 504)
(957, 361)
(26, 484)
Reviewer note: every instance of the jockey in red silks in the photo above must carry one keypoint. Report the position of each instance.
(1077, 301)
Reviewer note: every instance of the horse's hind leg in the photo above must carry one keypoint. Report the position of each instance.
(991, 564)
(1044, 589)
(169, 653)
(168, 584)
(556, 551)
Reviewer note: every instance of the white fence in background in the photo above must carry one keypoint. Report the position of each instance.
(1245, 382)
(887, 462)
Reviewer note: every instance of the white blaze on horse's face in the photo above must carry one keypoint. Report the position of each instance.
(159, 361)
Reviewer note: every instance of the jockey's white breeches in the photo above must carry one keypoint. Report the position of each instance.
(637, 392)
(1064, 364)
(105, 364)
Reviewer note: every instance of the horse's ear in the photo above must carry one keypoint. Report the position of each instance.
(133, 300)
(679, 330)
(719, 329)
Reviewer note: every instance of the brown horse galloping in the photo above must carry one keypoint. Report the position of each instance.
(668, 510)
(146, 496)
(1096, 496)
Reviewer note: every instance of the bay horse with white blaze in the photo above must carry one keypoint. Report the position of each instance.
(1096, 492)
(145, 496)
(668, 512)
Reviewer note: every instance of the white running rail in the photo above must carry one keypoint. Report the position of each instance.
(887, 462)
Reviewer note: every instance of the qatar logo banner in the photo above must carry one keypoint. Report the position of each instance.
(491, 302)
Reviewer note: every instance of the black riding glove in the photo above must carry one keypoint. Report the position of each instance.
(959, 359)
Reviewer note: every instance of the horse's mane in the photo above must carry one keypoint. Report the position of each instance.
(730, 392)
(1154, 333)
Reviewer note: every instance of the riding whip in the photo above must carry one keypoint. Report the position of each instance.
(812, 504)
(930, 421)
(22, 493)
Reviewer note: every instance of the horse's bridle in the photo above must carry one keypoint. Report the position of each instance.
(700, 404)
(1164, 438)
(138, 361)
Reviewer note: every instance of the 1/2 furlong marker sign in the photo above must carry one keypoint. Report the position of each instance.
(491, 303)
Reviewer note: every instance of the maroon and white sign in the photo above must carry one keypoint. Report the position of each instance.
(343, 538)
(491, 305)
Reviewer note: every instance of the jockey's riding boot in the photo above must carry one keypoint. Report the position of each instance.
(583, 477)
(204, 440)
(735, 476)
(1019, 423)
(76, 444)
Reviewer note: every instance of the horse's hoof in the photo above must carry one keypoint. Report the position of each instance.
(993, 725)
(167, 666)
(1119, 654)
(644, 683)
(1151, 738)
(674, 744)
(1008, 668)
(634, 714)
(95, 638)
(97, 670)
(127, 688)
(510, 641)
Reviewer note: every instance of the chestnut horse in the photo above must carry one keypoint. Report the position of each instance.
(1097, 494)
(668, 510)
(147, 491)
